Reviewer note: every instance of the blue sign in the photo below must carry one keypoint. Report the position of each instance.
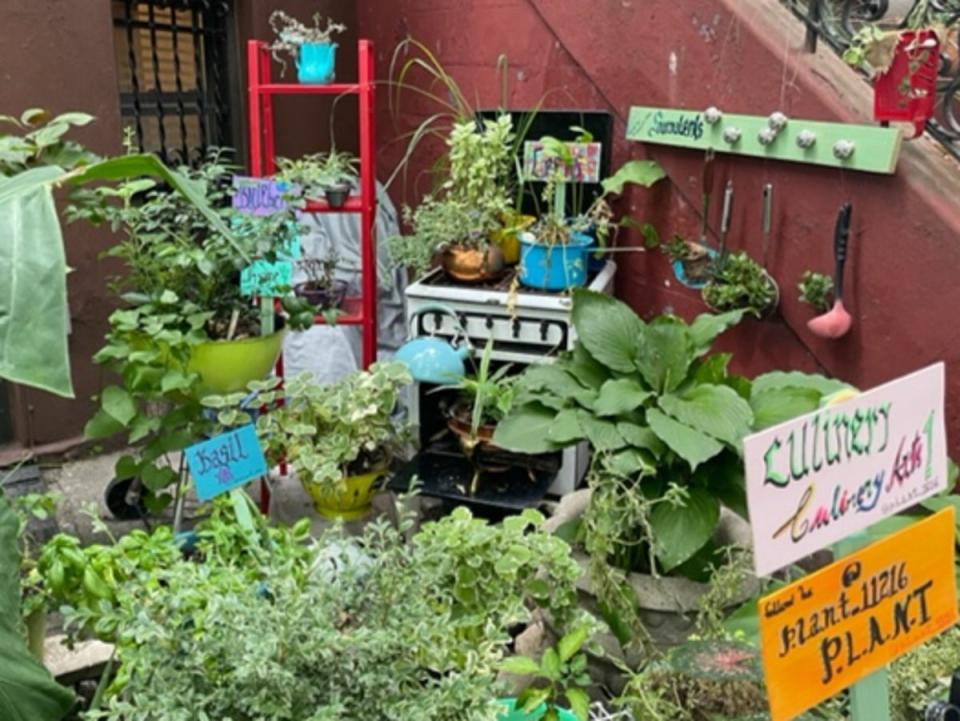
(226, 462)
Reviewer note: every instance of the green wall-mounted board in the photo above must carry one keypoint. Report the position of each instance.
(873, 150)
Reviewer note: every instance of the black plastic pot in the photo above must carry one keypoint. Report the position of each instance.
(337, 195)
(323, 298)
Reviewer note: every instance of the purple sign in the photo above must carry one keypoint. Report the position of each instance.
(259, 196)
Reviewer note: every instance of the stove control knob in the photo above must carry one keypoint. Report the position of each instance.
(516, 327)
(544, 329)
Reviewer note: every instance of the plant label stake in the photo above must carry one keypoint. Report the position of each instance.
(814, 480)
(225, 462)
(837, 626)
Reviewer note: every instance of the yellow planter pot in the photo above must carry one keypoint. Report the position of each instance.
(507, 238)
(347, 500)
(226, 366)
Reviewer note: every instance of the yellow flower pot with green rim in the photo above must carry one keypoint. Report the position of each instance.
(507, 238)
(349, 499)
(226, 366)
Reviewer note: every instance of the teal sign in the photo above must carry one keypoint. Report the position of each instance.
(225, 462)
(266, 278)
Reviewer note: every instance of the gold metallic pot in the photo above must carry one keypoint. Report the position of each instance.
(471, 265)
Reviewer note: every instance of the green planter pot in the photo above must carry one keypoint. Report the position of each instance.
(226, 366)
(510, 712)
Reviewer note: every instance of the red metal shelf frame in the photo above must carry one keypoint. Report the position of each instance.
(360, 311)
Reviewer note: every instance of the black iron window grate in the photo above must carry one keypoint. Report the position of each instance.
(172, 59)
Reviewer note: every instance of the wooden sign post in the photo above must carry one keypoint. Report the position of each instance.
(822, 479)
(834, 627)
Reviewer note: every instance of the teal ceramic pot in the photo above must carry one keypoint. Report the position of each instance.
(554, 267)
(316, 63)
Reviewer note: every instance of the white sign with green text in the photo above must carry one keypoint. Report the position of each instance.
(816, 479)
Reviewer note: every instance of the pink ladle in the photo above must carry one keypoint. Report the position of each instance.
(836, 322)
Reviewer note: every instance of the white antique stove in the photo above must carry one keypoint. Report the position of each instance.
(526, 326)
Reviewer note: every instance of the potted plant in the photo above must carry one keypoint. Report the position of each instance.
(695, 259)
(321, 288)
(310, 47)
(739, 282)
(816, 290)
(458, 219)
(331, 174)
(185, 328)
(560, 677)
(339, 439)
(904, 64)
(664, 419)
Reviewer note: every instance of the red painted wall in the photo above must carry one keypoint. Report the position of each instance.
(744, 56)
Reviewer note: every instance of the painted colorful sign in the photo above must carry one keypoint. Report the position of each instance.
(226, 462)
(259, 196)
(823, 633)
(539, 165)
(265, 278)
(816, 479)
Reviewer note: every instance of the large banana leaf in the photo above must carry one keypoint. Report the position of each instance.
(33, 297)
(27, 691)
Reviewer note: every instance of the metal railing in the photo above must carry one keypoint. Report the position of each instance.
(837, 21)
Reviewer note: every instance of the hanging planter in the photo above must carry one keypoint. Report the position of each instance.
(906, 91)
(904, 65)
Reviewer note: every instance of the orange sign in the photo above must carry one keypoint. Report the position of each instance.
(828, 630)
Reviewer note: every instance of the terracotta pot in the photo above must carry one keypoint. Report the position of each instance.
(471, 265)
(460, 425)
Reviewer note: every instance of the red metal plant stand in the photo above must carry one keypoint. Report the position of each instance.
(360, 310)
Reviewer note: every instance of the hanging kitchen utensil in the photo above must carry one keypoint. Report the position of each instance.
(767, 220)
(837, 321)
(708, 161)
(725, 223)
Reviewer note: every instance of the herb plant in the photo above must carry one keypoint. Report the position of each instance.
(291, 34)
(488, 395)
(469, 204)
(560, 677)
(741, 283)
(313, 174)
(816, 290)
(326, 432)
(41, 140)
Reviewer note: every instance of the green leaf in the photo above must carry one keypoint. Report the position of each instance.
(712, 369)
(102, 425)
(531, 698)
(520, 665)
(27, 691)
(556, 380)
(609, 330)
(565, 428)
(620, 395)
(630, 463)
(715, 410)
(797, 379)
(117, 403)
(157, 477)
(640, 172)
(74, 118)
(681, 531)
(691, 445)
(526, 429)
(585, 368)
(126, 467)
(550, 664)
(603, 435)
(665, 354)
(776, 405)
(579, 703)
(34, 116)
(33, 285)
(706, 327)
(641, 437)
(572, 642)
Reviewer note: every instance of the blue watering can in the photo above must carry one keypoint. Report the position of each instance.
(434, 360)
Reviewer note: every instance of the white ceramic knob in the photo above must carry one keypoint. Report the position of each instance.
(712, 115)
(806, 139)
(731, 135)
(843, 149)
(777, 121)
(766, 136)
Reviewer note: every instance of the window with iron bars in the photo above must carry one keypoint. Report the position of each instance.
(173, 62)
